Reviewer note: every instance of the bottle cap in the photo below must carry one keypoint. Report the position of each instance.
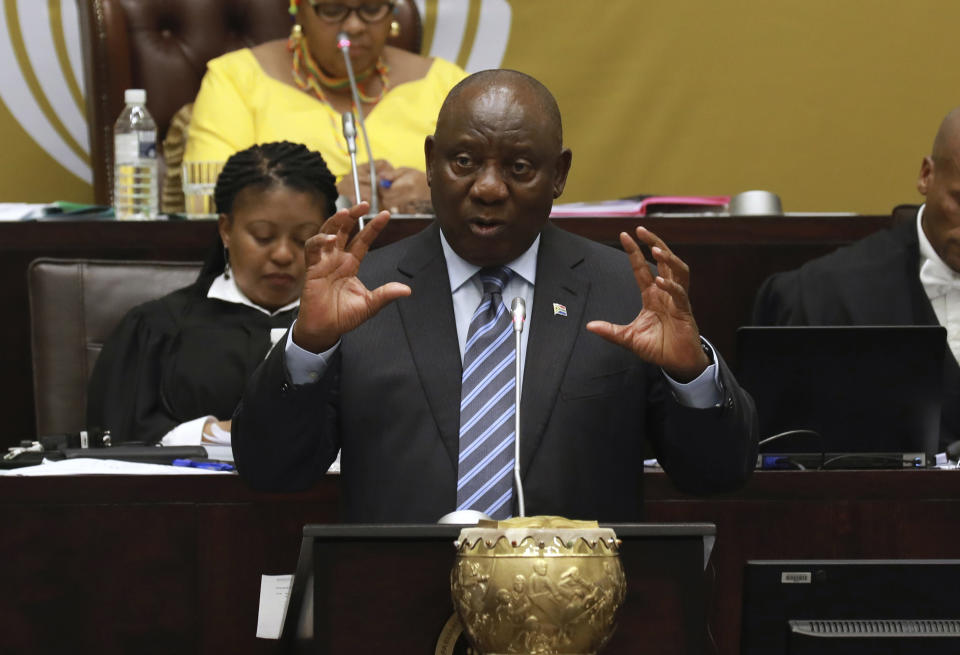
(135, 96)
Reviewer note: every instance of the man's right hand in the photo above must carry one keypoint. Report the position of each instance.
(334, 301)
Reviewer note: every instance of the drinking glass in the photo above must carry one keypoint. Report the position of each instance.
(199, 181)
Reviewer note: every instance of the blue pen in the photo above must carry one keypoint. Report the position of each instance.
(212, 466)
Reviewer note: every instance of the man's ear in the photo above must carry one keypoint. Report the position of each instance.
(428, 156)
(926, 175)
(223, 226)
(563, 168)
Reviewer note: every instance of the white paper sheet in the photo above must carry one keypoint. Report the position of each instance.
(92, 466)
(219, 453)
(274, 595)
(16, 211)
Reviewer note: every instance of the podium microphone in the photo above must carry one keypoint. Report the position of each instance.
(519, 310)
(350, 134)
(343, 42)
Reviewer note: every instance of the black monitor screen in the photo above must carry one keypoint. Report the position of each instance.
(875, 389)
(796, 607)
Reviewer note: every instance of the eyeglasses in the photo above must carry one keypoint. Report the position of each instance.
(335, 12)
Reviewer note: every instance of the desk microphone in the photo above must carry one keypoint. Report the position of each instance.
(343, 42)
(519, 310)
(350, 134)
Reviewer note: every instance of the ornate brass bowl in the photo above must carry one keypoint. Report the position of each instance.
(537, 585)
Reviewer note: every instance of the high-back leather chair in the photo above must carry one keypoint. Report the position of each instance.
(905, 212)
(163, 46)
(75, 304)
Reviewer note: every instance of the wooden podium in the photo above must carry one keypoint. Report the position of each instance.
(386, 588)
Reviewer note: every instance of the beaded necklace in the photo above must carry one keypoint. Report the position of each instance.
(316, 80)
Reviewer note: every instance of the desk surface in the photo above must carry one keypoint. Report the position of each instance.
(728, 256)
(146, 563)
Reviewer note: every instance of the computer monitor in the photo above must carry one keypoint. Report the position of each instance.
(899, 607)
(845, 389)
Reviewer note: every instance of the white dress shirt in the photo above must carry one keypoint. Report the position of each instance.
(942, 285)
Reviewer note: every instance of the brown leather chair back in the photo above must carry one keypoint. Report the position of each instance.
(163, 46)
(905, 212)
(75, 304)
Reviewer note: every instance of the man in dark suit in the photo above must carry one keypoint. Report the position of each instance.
(906, 275)
(373, 365)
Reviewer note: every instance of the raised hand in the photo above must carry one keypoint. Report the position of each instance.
(333, 300)
(664, 332)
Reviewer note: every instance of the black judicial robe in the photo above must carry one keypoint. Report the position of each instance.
(175, 359)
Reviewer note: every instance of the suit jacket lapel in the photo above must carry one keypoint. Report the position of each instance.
(551, 337)
(428, 321)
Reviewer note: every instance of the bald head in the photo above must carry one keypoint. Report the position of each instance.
(946, 145)
(505, 82)
(939, 182)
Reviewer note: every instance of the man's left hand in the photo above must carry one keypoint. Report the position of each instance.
(664, 332)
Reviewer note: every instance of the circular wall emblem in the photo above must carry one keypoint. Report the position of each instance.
(41, 61)
(42, 78)
(472, 33)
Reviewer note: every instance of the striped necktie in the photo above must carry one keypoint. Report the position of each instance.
(487, 407)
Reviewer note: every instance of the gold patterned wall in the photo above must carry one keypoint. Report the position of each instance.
(830, 104)
(45, 152)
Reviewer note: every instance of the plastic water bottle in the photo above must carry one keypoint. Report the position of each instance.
(135, 160)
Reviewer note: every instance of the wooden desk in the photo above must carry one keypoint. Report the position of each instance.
(132, 564)
(159, 564)
(728, 257)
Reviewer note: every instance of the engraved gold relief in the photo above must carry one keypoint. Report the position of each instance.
(537, 585)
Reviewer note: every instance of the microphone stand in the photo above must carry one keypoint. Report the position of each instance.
(519, 309)
(350, 134)
(343, 42)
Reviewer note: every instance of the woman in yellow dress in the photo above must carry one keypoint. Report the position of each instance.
(297, 89)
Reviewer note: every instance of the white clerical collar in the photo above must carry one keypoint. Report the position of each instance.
(460, 270)
(226, 289)
(926, 249)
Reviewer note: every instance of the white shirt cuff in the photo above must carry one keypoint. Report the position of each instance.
(702, 392)
(217, 435)
(304, 366)
(186, 434)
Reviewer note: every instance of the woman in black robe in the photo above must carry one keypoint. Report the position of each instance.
(175, 367)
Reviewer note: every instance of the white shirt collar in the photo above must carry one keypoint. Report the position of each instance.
(226, 289)
(926, 249)
(460, 270)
